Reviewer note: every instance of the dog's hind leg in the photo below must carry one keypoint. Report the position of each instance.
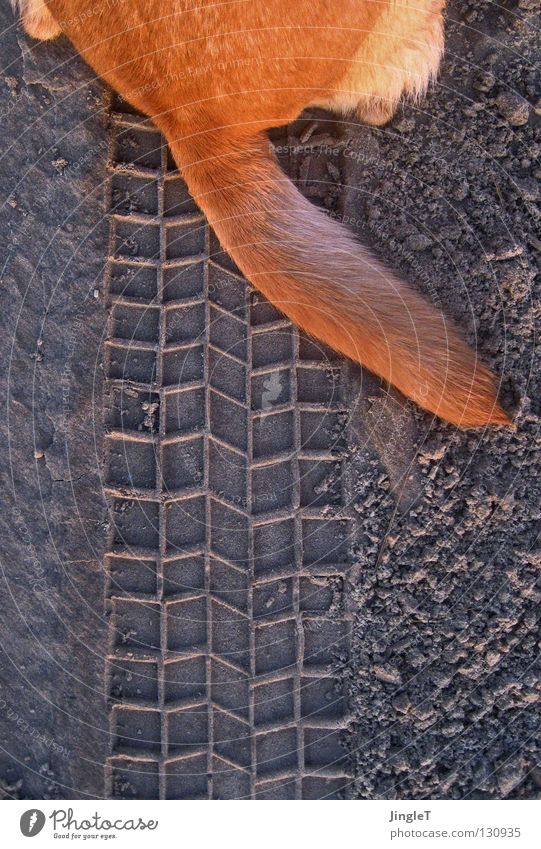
(37, 20)
(399, 57)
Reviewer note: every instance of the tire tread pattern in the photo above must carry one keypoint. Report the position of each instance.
(228, 547)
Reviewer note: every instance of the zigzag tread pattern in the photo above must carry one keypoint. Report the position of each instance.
(228, 544)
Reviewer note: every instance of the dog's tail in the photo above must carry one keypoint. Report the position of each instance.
(323, 280)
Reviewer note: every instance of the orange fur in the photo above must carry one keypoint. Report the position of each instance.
(37, 20)
(214, 76)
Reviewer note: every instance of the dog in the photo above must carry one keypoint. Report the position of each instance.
(215, 76)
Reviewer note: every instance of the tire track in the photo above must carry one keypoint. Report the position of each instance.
(229, 542)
